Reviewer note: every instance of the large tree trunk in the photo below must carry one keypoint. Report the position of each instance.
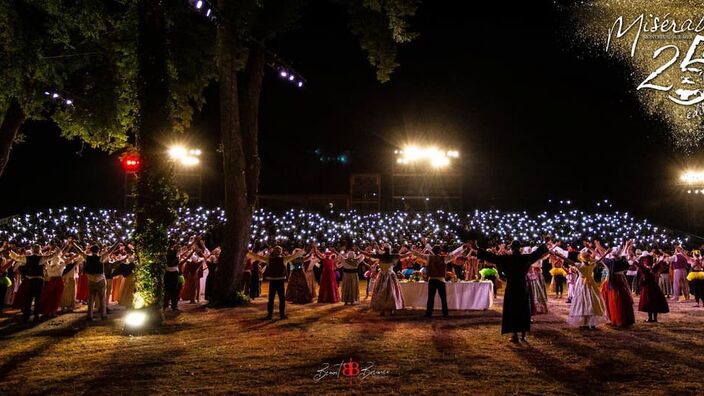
(237, 209)
(249, 111)
(11, 123)
(155, 192)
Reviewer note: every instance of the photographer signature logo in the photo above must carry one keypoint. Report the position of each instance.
(351, 370)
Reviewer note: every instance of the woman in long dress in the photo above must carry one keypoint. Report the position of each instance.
(82, 289)
(309, 265)
(128, 283)
(386, 294)
(538, 293)
(212, 263)
(652, 299)
(191, 272)
(587, 309)
(68, 297)
(297, 291)
(350, 276)
(616, 292)
(328, 282)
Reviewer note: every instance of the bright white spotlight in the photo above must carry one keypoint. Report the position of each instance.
(199, 4)
(439, 162)
(189, 161)
(283, 73)
(291, 77)
(300, 84)
(432, 156)
(692, 177)
(55, 95)
(177, 152)
(69, 102)
(135, 319)
(207, 13)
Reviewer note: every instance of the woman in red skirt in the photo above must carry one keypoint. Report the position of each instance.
(328, 292)
(82, 290)
(616, 293)
(652, 299)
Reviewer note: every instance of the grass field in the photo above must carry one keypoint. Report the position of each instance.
(234, 351)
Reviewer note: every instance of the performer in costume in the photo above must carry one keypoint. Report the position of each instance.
(652, 299)
(255, 289)
(275, 273)
(515, 317)
(559, 276)
(310, 263)
(32, 268)
(471, 267)
(328, 292)
(54, 286)
(664, 279)
(82, 290)
(386, 295)
(95, 270)
(696, 278)
(587, 309)
(297, 291)
(171, 274)
(632, 275)
(437, 265)
(679, 282)
(68, 297)
(490, 273)
(350, 276)
(616, 293)
(126, 269)
(536, 289)
(191, 271)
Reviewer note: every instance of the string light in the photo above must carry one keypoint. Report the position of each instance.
(205, 8)
(55, 96)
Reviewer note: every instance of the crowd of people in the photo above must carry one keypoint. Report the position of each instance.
(44, 281)
(51, 262)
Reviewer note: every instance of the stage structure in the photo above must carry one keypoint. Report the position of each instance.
(426, 178)
(692, 183)
(365, 191)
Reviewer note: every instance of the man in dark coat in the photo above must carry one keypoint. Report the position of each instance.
(516, 313)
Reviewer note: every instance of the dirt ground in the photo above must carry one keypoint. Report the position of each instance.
(234, 351)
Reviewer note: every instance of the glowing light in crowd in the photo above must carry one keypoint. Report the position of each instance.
(692, 177)
(302, 227)
(433, 156)
(185, 156)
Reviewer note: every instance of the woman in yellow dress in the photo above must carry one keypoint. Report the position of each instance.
(587, 309)
(696, 278)
(559, 276)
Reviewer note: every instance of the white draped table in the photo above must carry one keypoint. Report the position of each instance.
(460, 295)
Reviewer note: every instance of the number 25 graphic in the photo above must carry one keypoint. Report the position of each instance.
(689, 64)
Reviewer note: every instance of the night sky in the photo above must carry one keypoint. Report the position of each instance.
(535, 115)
